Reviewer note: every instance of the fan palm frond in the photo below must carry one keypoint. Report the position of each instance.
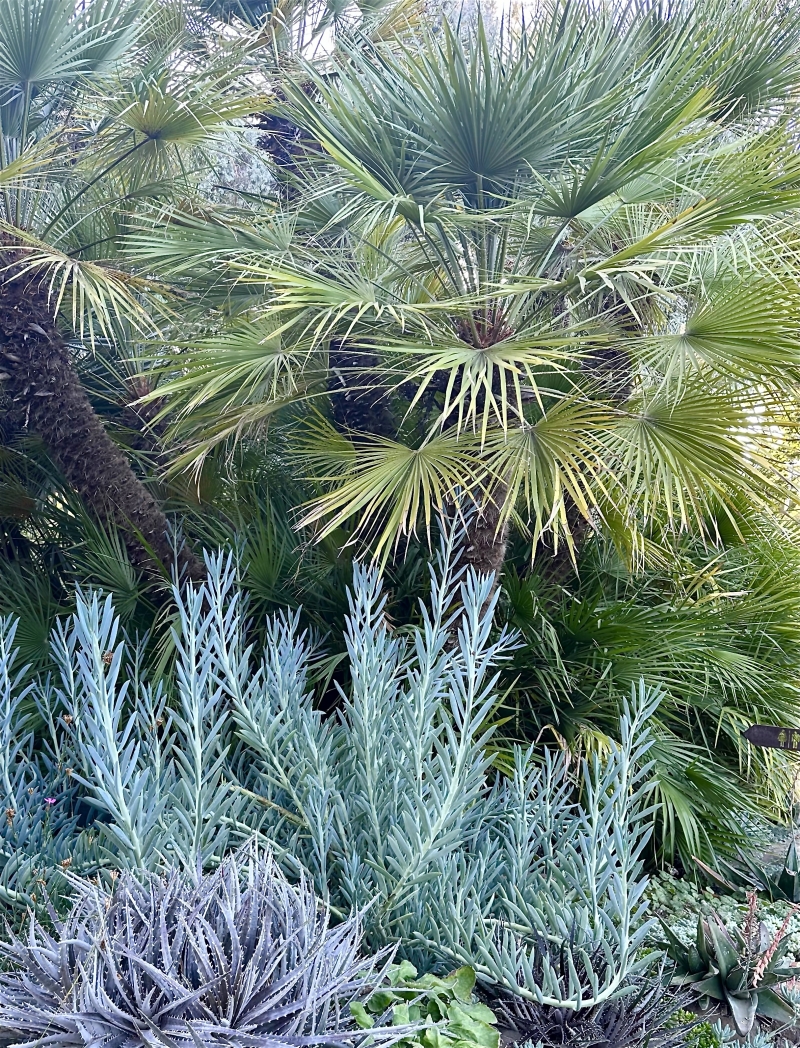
(518, 235)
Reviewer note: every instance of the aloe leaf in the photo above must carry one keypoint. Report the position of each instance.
(710, 987)
(743, 1010)
(773, 1006)
(726, 954)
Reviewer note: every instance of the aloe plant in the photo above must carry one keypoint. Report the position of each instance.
(650, 1015)
(741, 969)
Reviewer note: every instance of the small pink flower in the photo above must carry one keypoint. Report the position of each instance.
(50, 800)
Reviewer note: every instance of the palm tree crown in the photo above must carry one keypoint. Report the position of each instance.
(104, 111)
(555, 270)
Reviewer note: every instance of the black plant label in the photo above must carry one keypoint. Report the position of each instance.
(773, 738)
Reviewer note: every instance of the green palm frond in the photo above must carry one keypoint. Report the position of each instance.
(385, 483)
(743, 328)
(716, 626)
(678, 452)
(45, 42)
(167, 107)
(554, 252)
(193, 246)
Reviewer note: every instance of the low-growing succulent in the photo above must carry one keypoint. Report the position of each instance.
(648, 1013)
(238, 957)
(444, 1007)
(748, 873)
(741, 969)
(697, 1034)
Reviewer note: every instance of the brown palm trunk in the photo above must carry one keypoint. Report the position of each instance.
(560, 565)
(48, 399)
(486, 538)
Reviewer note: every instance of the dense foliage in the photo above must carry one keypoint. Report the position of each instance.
(535, 880)
(511, 266)
(319, 286)
(573, 309)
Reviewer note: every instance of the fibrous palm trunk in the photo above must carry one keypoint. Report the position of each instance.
(47, 398)
(486, 538)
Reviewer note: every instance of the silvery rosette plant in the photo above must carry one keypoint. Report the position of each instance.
(237, 957)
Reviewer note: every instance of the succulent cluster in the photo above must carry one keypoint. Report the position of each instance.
(392, 804)
(238, 957)
(391, 807)
(648, 1013)
(781, 885)
(742, 970)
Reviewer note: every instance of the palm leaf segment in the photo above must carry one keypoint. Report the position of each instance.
(564, 258)
(104, 112)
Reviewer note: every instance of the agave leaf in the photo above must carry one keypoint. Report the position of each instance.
(789, 879)
(677, 946)
(715, 876)
(701, 940)
(696, 964)
(737, 980)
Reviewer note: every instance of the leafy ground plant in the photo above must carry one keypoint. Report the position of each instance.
(444, 1009)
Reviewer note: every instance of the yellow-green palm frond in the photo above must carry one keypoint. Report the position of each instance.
(558, 457)
(392, 489)
(677, 453)
(95, 296)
